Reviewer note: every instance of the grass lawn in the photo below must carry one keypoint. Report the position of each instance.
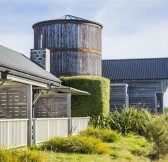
(61, 157)
(131, 148)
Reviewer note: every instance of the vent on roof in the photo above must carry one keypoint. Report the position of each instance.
(40, 41)
(70, 17)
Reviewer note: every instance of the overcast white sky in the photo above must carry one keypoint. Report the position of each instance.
(132, 28)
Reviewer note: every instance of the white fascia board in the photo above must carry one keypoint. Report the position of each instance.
(71, 90)
(119, 84)
(26, 81)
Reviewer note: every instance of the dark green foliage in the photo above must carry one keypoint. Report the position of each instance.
(76, 144)
(95, 104)
(128, 120)
(157, 132)
(100, 122)
(105, 135)
(35, 147)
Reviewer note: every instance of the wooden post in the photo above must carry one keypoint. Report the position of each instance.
(69, 113)
(29, 115)
(162, 103)
(126, 96)
(34, 131)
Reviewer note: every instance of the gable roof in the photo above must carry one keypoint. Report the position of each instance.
(135, 69)
(18, 64)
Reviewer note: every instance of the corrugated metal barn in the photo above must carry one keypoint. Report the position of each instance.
(137, 82)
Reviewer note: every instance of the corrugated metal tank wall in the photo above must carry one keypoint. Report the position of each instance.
(75, 46)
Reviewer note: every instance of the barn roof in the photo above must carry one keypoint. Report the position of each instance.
(15, 63)
(135, 69)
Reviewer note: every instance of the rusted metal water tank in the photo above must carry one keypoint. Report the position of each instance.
(75, 45)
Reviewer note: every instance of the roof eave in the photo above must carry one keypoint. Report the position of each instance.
(25, 76)
(71, 90)
(26, 81)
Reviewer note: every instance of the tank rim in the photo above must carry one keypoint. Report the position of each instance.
(66, 21)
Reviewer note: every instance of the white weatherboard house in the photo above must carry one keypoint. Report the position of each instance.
(31, 97)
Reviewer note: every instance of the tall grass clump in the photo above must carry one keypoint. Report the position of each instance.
(100, 122)
(157, 132)
(105, 135)
(21, 155)
(128, 120)
(31, 156)
(76, 144)
(8, 156)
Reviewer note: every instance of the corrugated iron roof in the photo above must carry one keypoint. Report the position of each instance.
(13, 60)
(132, 69)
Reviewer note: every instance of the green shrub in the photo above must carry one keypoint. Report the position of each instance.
(100, 122)
(128, 120)
(35, 147)
(157, 132)
(76, 144)
(105, 135)
(95, 104)
(166, 110)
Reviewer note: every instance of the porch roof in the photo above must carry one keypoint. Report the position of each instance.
(71, 90)
(15, 67)
(19, 65)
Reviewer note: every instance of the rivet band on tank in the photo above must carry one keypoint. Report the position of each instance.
(76, 50)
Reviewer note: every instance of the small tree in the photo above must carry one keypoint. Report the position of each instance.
(157, 132)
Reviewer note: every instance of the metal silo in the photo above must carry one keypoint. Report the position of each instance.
(75, 45)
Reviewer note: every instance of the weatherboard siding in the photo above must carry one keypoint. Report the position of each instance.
(141, 93)
(118, 97)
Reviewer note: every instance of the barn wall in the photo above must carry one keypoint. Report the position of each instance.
(143, 93)
(118, 96)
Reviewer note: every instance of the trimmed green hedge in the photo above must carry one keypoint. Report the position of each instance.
(95, 104)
